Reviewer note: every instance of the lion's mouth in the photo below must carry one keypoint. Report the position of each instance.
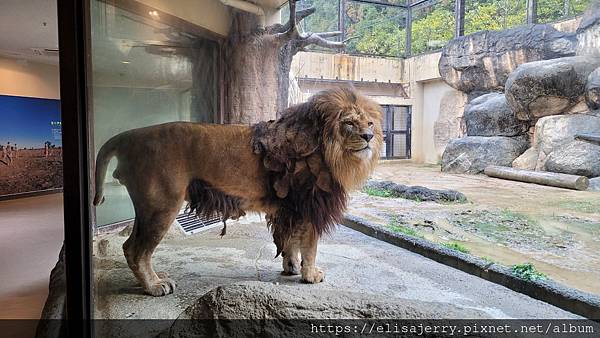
(362, 149)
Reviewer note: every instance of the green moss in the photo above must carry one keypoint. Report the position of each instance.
(456, 246)
(396, 226)
(377, 192)
(528, 272)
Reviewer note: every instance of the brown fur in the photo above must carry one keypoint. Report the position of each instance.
(297, 169)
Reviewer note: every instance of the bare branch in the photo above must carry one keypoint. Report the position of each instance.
(292, 21)
(303, 13)
(316, 39)
(329, 34)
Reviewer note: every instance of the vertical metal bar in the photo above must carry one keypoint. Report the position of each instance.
(459, 18)
(531, 11)
(341, 22)
(408, 48)
(73, 18)
(408, 131)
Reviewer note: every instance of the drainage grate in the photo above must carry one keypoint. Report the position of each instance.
(191, 224)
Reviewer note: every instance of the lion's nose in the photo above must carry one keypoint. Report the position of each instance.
(366, 137)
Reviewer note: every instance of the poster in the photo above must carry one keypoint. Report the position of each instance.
(30, 145)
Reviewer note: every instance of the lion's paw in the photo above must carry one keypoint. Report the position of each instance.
(312, 275)
(163, 287)
(291, 265)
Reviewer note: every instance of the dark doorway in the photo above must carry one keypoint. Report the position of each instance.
(396, 132)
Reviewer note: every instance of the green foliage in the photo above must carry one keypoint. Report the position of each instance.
(380, 30)
(528, 272)
(377, 192)
(456, 246)
(395, 226)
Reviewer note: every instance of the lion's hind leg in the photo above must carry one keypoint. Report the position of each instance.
(149, 228)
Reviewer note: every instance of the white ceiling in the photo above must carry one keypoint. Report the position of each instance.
(26, 25)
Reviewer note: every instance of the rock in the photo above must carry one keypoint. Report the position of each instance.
(575, 158)
(450, 123)
(552, 132)
(592, 90)
(490, 115)
(549, 87)
(51, 324)
(268, 309)
(483, 60)
(594, 184)
(588, 32)
(472, 154)
(417, 193)
(527, 160)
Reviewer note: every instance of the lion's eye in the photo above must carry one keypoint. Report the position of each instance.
(349, 123)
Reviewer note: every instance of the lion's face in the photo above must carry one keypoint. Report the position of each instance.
(353, 134)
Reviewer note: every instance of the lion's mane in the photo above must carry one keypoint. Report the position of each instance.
(309, 172)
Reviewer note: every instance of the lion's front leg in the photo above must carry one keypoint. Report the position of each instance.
(308, 250)
(291, 256)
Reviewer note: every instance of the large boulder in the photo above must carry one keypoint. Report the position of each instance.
(549, 87)
(472, 154)
(527, 160)
(450, 122)
(575, 158)
(271, 310)
(592, 90)
(588, 32)
(553, 132)
(594, 184)
(483, 61)
(490, 115)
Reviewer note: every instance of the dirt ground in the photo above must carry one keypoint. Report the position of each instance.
(30, 170)
(558, 230)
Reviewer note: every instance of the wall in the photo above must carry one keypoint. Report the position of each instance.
(209, 14)
(25, 78)
(433, 92)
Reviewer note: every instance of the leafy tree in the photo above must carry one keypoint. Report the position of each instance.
(381, 30)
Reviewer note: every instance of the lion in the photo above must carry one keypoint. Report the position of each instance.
(297, 170)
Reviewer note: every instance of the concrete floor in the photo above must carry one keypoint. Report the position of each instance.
(351, 260)
(31, 234)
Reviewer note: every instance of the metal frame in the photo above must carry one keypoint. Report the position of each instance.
(390, 131)
(73, 29)
(459, 14)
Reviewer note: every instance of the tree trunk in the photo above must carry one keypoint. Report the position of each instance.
(258, 62)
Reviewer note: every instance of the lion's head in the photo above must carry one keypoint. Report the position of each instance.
(352, 134)
(314, 154)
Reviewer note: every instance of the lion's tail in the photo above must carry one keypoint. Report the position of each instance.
(108, 150)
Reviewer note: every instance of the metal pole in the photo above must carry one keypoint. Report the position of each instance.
(341, 23)
(531, 11)
(459, 16)
(407, 51)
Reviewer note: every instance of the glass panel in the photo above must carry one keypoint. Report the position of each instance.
(375, 30)
(432, 25)
(555, 10)
(144, 73)
(494, 14)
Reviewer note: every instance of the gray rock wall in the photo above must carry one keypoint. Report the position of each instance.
(483, 61)
(549, 87)
(490, 115)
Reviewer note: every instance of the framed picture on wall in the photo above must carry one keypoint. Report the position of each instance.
(30, 145)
